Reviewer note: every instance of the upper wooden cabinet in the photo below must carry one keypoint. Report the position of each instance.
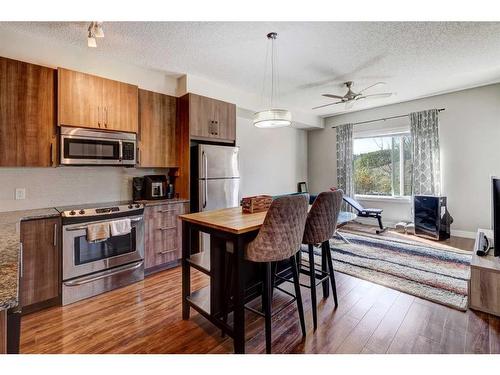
(27, 115)
(158, 134)
(94, 102)
(211, 119)
(40, 269)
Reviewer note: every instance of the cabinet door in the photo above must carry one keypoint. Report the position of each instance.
(27, 115)
(80, 99)
(201, 116)
(226, 120)
(162, 235)
(40, 276)
(157, 130)
(120, 106)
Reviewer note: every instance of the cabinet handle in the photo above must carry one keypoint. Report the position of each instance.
(167, 228)
(167, 251)
(99, 116)
(51, 154)
(106, 121)
(165, 211)
(138, 161)
(21, 265)
(55, 235)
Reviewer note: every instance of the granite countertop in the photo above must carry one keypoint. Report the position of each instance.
(9, 251)
(156, 202)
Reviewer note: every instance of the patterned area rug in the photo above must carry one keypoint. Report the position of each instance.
(430, 272)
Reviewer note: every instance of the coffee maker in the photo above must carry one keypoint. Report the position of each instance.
(152, 187)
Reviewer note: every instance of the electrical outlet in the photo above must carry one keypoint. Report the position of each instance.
(20, 193)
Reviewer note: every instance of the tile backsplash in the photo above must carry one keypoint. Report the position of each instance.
(50, 187)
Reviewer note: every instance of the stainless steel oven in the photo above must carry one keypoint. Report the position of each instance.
(90, 268)
(93, 147)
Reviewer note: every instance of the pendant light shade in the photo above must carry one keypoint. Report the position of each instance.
(273, 117)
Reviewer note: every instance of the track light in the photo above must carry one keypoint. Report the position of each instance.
(94, 31)
(98, 31)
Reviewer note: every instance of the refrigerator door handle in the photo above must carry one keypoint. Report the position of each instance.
(205, 198)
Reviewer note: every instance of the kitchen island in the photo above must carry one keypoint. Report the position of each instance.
(229, 231)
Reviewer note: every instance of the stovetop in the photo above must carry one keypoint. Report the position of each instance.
(100, 209)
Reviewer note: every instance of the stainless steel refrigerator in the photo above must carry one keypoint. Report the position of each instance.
(215, 179)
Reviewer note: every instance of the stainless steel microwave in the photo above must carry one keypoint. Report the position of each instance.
(93, 147)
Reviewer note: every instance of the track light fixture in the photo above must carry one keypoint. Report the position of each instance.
(94, 31)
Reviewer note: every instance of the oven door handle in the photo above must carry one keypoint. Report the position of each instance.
(83, 227)
(89, 279)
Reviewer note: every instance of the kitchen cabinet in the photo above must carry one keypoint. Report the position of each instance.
(40, 263)
(3, 331)
(211, 119)
(27, 115)
(158, 136)
(162, 235)
(85, 100)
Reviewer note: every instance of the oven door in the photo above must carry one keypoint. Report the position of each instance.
(81, 257)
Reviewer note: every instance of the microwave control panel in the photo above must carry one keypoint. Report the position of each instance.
(128, 150)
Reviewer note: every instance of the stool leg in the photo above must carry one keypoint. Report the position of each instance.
(326, 246)
(312, 277)
(298, 295)
(228, 283)
(298, 260)
(267, 302)
(324, 268)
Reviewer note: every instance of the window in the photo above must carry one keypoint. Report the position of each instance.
(382, 165)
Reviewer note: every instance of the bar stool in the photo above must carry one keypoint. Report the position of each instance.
(279, 239)
(320, 227)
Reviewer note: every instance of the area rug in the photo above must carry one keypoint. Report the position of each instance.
(430, 272)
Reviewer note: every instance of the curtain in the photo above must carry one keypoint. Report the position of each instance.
(426, 175)
(345, 176)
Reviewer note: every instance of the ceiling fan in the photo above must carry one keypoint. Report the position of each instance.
(352, 97)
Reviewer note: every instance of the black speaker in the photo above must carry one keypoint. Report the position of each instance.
(431, 217)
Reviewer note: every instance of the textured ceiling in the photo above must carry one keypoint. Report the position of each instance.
(415, 59)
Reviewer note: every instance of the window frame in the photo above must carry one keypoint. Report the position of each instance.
(399, 198)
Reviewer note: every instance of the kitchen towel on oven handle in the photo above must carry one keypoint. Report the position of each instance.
(120, 227)
(97, 232)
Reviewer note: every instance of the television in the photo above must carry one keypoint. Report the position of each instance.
(495, 208)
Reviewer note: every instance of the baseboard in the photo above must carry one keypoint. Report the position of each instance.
(463, 234)
(392, 224)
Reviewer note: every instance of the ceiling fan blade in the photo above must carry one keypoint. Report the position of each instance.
(375, 84)
(326, 105)
(333, 96)
(379, 96)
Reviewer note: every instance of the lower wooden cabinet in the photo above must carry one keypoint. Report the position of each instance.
(40, 263)
(162, 235)
(3, 331)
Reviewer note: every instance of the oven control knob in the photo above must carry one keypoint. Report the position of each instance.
(82, 212)
(130, 206)
(137, 205)
(72, 212)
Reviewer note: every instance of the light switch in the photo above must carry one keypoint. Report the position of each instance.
(20, 193)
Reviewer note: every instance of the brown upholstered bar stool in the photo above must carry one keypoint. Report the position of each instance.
(320, 227)
(279, 239)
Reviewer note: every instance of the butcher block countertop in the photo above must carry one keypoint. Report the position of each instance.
(231, 220)
(9, 251)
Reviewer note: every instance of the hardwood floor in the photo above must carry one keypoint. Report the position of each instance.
(146, 318)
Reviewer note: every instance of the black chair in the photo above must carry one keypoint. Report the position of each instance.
(375, 213)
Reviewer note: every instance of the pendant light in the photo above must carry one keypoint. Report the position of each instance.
(273, 117)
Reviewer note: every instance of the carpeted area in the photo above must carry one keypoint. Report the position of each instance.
(423, 270)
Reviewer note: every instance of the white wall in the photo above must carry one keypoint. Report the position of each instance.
(272, 161)
(51, 187)
(470, 152)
